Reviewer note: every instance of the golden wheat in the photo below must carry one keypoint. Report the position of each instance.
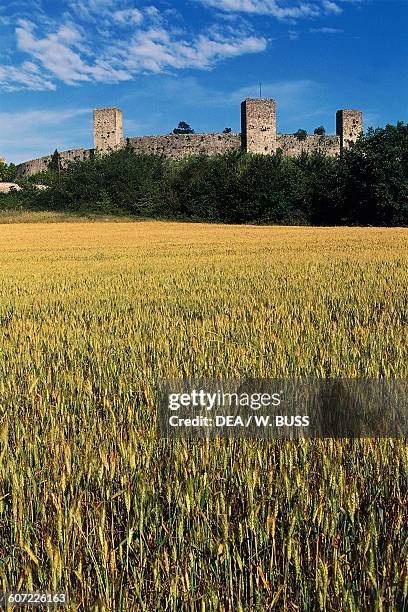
(91, 502)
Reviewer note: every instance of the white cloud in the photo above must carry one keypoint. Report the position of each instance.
(293, 34)
(54, 53)
(275, 8)
(90, 50)
(280, 9)
(27, 76)
(90, 10)
(155, 50)
(58, 55)
(109, 41)
(128, 16)
(331, 7)
(325, 30)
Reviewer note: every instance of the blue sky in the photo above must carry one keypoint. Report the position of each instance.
(194, 60)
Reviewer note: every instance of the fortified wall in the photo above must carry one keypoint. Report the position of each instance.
(178, 146)
(258, 135)
(41, 164)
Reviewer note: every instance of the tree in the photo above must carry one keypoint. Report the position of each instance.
(227, 131)
(7, 171)
(55, 162)
(320, 131)
(366, 185)
(372, 184)
(183, 128)
(301, 134)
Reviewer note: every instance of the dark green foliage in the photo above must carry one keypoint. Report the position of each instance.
(8, 172)
(372, 178)
(319, 131)
(55, 163)
(183, 128)
(367, 185)
(120, 182)
(301, 134)
(227, 130)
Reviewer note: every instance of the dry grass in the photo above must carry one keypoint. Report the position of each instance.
(14, 215)
(90, 500)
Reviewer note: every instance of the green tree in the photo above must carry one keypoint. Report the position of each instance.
(367, 185)
(320, 131)
(372, 180)
(8, 172)
(301, 134)
(183, 128)
(54, 164)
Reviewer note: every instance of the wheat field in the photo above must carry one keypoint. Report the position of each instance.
(94, 504)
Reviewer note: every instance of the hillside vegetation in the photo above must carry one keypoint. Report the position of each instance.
(368, 185)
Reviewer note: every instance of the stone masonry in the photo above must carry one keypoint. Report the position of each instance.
(258, 135)
(41, 164)
(292, 146)
(177, 146)
(258, 126)
(108, 130)
(349, 125)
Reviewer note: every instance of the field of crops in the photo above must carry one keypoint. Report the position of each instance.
(92, 503)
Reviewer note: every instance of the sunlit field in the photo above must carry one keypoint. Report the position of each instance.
(94, 504)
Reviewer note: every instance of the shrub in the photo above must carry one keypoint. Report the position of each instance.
(367, 185)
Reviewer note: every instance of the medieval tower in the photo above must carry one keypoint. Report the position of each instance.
(258, 136)
(349, 125)
(108, 129)
(258, 125)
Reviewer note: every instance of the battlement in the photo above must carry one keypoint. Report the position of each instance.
(258, 136)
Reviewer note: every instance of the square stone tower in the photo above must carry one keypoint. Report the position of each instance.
(349, 125)
(108, 129)
(258, 125)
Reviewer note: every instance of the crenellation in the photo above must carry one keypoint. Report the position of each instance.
(258, 136)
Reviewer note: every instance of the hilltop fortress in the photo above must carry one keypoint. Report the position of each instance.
(258, 135)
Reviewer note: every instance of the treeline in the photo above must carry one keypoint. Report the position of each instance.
(367, 185)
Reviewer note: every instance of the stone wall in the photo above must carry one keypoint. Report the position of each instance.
(349, 125)
(258, 125)
(41, 164)
(177, 146)
(108, 129)
(258, 131)
(291, 145)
